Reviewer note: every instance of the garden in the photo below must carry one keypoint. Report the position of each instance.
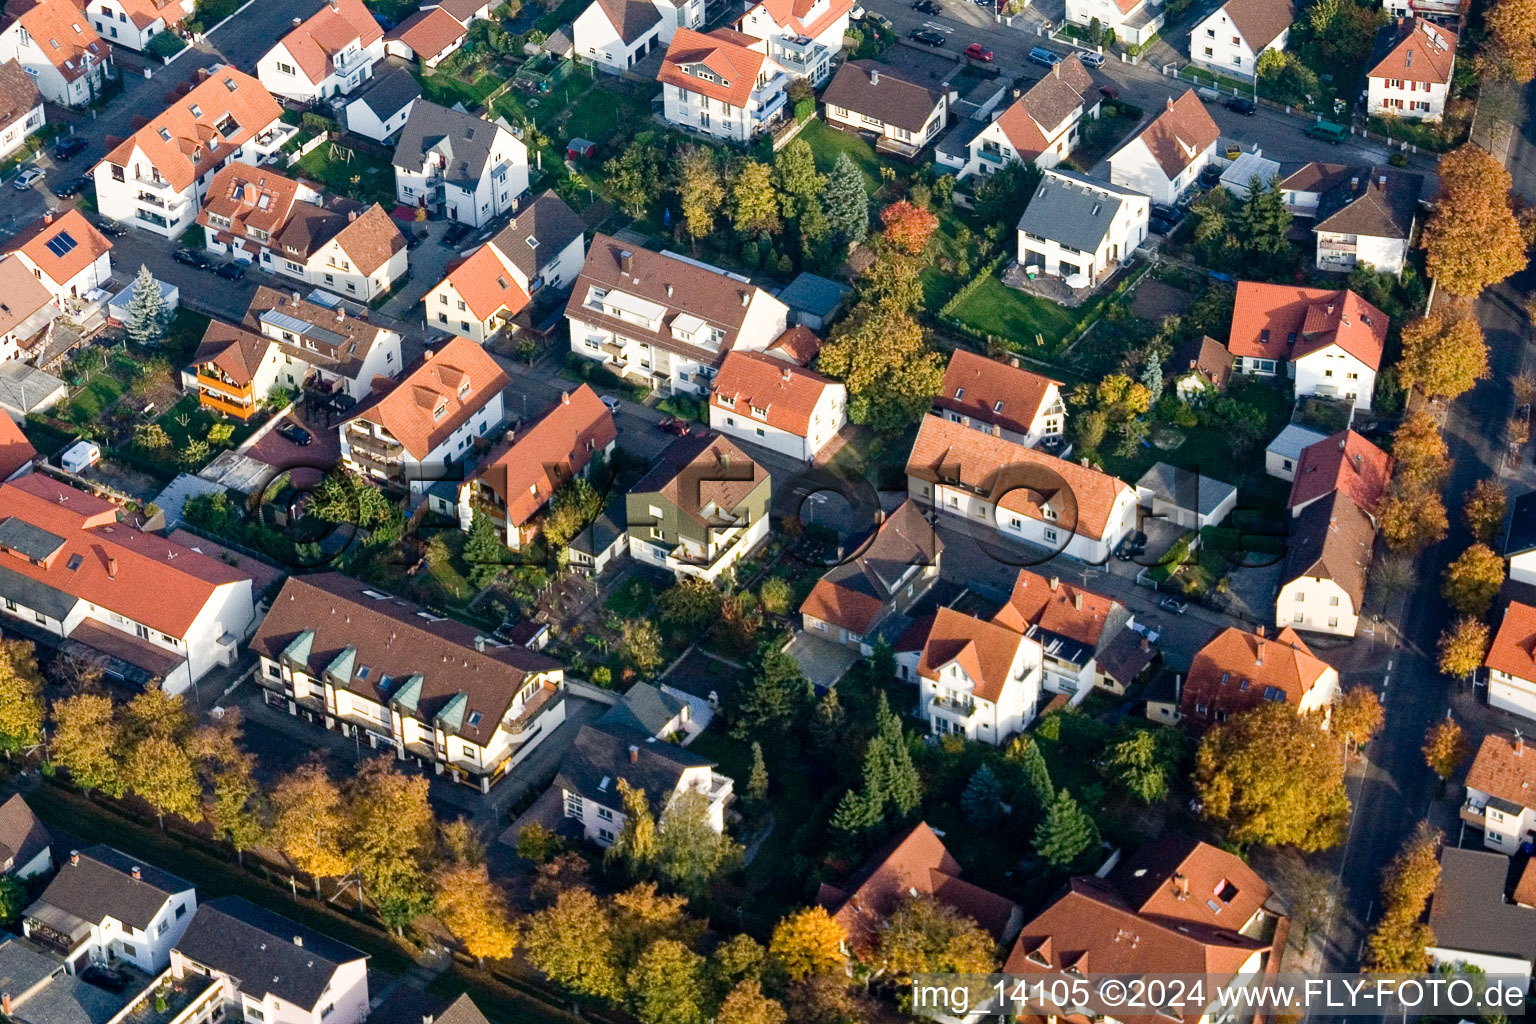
(351, 173)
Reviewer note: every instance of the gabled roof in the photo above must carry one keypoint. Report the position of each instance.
(144, 13)
(234, 350)
(1205, 357)
(549, 223)
(252, 197)
(1260, 21)
(463, 140)
(856, 593)
(64, 35)
(791, 15)
(200, 129)
(446, 389)
(1521, 536)
(1378, 202)
(1293, 440)
(1415, 50)
(388, 93)
(1031, 122)
(879, 90)
(1182, 879)
(325, 337)
(913, 864)
(18, 93)
(993, 392)
(1332, 539)
(1468, 912)
(21, 295)
(1238, 670)
(599, 757)
(102, 882)
(729, 56)
(428, 32)
(1074, 209)
(1178, 135)
(1513, 650)
(22, 835)
(1059, 607)
(527, 469)
(1281, 321)
(1503, 768)
(15, 450)
(406, 1005)
(61, 246)
(699, 473)
(798, 344)
(984, 650)
(948, 453)
(643, 707)
(787, 394)
(1344, 462)
(315, 42)
(486, 285)
(370, 239)
(631, 19)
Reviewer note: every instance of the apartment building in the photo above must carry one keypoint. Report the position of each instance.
(722, 84)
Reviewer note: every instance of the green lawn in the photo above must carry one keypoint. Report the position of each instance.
(827, 143)
(92, 400)
(350, 173)
(445, 88)
(631, 600)
(1015, 318)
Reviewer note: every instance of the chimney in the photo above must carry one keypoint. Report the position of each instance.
(788, 376)
(203, 75)
(1354, 184)
(634, 754)
(137, 873)
(1259, 631)
(746, 299)
(111, 568)
(48, 217)
(298, 940)
(1381, 182)
(427, 1018)
(297, 22)
(669, 291)
(565, 398)
(511, 436)
(1077, 600)
(1519, 744)
(1259, 658)
(1014, 362)
(5, 1004)
(341, 314)
(1170, 102)
(351, 216)
(874, 76)
(1146, 644)
(1017, 92)
(1342, 440)
(480, 644)
(626, 260)
(74, 858)
(295, 298)
(1055, 582)
(1180, 885)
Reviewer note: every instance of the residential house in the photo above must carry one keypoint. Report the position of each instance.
(1001, 399)
(134, 23)
(157, 178)
(1283, 453)
(976, 678)
(1198, 369)
(331, 53)
(888, 571)
(69, 567)
(1238, 670)
(235, 371)
(1231, 38)
(1330, 341)
(16, 453)
(322, 347)
(25, 846)
(1411, 70)
(914, 865)
(39, 991)
(603, 541)
(472, 169)
(382, 105)
(804, 36)
(270, 968)
(903, 114)
(654, 711)
(412, 1006)
(354, 659)
(1086, 640)
(1175, 906)
(1475, 923)
(1134, 22)
(1166, 158)
(55, 44)
(1361, 214)
(665, 319)
(541, 247)
(413, 433)
(722, 84)
(105, 906)
(814, 302)
(1519, 538)
(21, 107)
(1441, 12)
(1345, 462)
(702, 507)
(1184, 497)
(26, 389)
(429, 36)
(1080, 229)
(1501, 791)
(1021, 493)
(615, 35)
(1041, 125)
(777, 404)
(65, 252)
(27, 312)
(1511, 662)
(1326, 562)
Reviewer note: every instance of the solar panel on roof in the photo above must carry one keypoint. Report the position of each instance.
(61, 243)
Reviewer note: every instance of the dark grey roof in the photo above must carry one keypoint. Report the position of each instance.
(1184, 488)
(884, 555)
(880, 91)
(463, 139)
(23, 387)
(1375, 201)
(268, 953)
(31, 593)
(599, 758)
(643, 707)
(1061, 646)
(22, 836)
(1468, 912)
(1522, 525)
(811, 293)
(102, 885)
(603, 531)
(24, 538)
(1073, 209)
(407, 1005)
(389, 93)
(1291, 441)
(68, 1000)
(546, 219)
(24, 964)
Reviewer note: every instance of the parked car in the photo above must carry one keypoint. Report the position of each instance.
(290, 431)
(1163, 211)
(193, 258)
(74, 186)
(611, 402)
(413, 239)
(978, 52)
(1109, 92)
(234, 270)
(456, 233)
(857, 14)
(927, 7)
(1133, 545)
(1174, 604)
(673, 425)
(926, 36)
(1049, 58)
(68, 148)
(1091, 59)
(110, 228)
(1242, 105)
(27, 178)
(1327, 131)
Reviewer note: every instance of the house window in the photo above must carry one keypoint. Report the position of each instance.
(1298, 618)
(1333, 602)
(605, 814)
(1333, 620)
(605, 834)
(1050, 535)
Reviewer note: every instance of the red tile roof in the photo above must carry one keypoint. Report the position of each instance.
(985, 650)
(791, 14)
(526, 470)
(1174, 879)
(1504, 770)
(1032, 120)
(1055, 605)
(64, 35)
(485, 284)
(1280, 321)
(1415, 50)
(21, 295)
(446, 389)
(1180, 133)
(1513, 651)
(1344, 462)
(428, 33)
(993, 392)
(15, 450)
(800, 343)
(315, 43)
(1525, 888)
(18, 93)
(370, 239)
(33, 240)
(234, 350)
(144, 13)
(787, 393)
(855, 594)
(251, 197)
(1239, 669)
(724, 53)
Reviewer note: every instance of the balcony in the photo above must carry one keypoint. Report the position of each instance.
(963, 707)
(533, 708)
(218, 382)
(383, 449)
(1473, 815)
(241, 410)
(1326, 246)
(272, 139)
(991, 156)
(157, 185)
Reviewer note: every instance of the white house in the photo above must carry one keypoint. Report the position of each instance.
(1184, 497)
(104, 905)
(1326, 563)
(542, 247)
(21, 107)
(1238, 670)
(616, 34)
(27, 312)
(1168, 155)
(1360, 214)
(322, 346)
(331, 53)
(1501, 788)
(429, 37)
(867, 96)
(773, 402)
(1441, 12)
(1411, 70)
(976, 678)
(65, 252)
(1475, 924)
(1002, 399)
(1511, 668)
(28, 849)
(1132, 21)
(1085, 640)
(409, 435)
(666, 319)
(344, 656)
(472, 169)
(270, 968)
(157, 177)
(53, 40)
(133, 23)
(1041, 126)
(1283, 453)
(380, 107)
(1079, 228)
(1231, 37)
(1021, 493)
(1329, 340)
(804, 37)
(722, 84)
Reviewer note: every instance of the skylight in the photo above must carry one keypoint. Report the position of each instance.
(74, 562)
(229, 83)
(165, 133)
(197, 111)
(474, 719)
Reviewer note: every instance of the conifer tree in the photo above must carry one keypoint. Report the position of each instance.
(1066, 834)
(846, 201)
(147, 315)
(979, 802)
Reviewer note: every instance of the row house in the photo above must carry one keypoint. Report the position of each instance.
(1501, 791)
(1133, 22)
(804, 36)
(1360, 214)
(1326, 564)
(700, 510)
(722, 84)
(1411, 70)
(1511, 662)
(65, 253)
(343, 655)
(616, 34)
(1231, 38)
(518, 477)
(470, 169)
(1239, 670)
(133, 23)
(542, 247)
(665, 319)
(1041, 125)
(27, 312)
(1080, 229)
(322, 347)
(1021, 493)
(1329, 341)
(330, 53)
(412, 434)
(54, 43)
(905, 115)
(1165, 159)
(156, 179)
(1002, 399)
(69, 567)
(778, 404)
(21, 107)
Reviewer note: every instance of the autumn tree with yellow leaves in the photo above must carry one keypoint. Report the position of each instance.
(1444, 355)
(1463, 646)
(21, 697)
(807, 942)
(308, 822)
(474, 909)
(1473, 239)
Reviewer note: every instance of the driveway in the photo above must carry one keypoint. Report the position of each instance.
(308, 463)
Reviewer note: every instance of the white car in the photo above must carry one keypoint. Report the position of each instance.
(1091, 59)
(27, 178)
(857, 14)
(611, 402)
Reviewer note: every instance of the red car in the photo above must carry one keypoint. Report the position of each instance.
(978, 52)
(1109, 92)
(675, 426)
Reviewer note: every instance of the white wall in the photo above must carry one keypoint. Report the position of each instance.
(828, 418)
(1425, 101)
(14, 134)
(111, 23)
(960, 502)
(1333, 372)
(50, 81)
(1318, 605)
(595, 40)
(1512, 694)
(1384, 254)
(362, 120)
(989, 722)
(1217, 43)
(1133, 167)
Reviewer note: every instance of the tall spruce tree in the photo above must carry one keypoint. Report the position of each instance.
(846, 202)
(903, 784)
(1066, 834)
(1037, 777)
(982, 797)
(147, 315)
(775, 697)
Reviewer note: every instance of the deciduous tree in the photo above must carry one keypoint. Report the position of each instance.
(1411, 518)
(576, 504)
(389, 839)
(1509, 51)
(1444, 354)
(746, 1004)
(573, 943)
(806, 943)
(690, 604)
(1143, 762)
(635, 845)
(794, 173)
(635, 176)
(925, 936)
(1399, 941)
(1445, 748)
(1472, 240)
(308, 822)
(699, 189)
(159, 770)
(1483, 511)
(1463, 646)
(13, 899)
(754, 204)
(1067, 834)
(1357, 716)
(21, 697)
(666, 985)
(87, 742)
(1420, 451)
(474, 909)
(879, 353)
(689, 852)
(909, 228)
(640, 645)
(1473, 580)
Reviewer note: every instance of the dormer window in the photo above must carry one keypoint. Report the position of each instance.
(729, 401)
(165, 134)
(464, 388)
(759, 412)
(440, 409)
(229, 83)
(197, 111)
